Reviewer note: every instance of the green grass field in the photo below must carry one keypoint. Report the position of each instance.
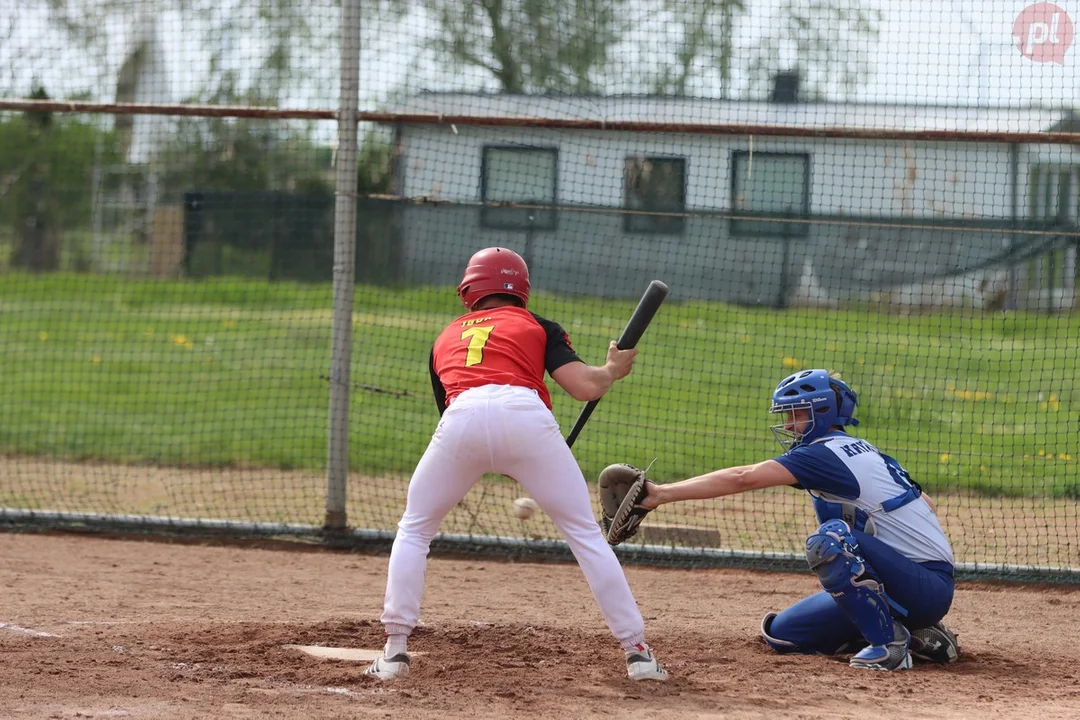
(233, 372)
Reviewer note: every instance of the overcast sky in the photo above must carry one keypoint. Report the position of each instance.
(963, 51)
(939, 51)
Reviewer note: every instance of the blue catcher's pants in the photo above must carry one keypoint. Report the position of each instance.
(817, 624)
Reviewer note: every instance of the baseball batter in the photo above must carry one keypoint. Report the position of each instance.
(884, 563)
(487, 372)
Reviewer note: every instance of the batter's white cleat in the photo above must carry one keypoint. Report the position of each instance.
(642, 665)
(386, 668)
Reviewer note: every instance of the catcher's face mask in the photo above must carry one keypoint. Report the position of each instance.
(798, 423)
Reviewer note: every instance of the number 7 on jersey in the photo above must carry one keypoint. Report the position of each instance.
(478, 336)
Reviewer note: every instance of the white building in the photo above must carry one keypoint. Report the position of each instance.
(749, 219)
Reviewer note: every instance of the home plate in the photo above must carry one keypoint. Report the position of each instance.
(335, 653)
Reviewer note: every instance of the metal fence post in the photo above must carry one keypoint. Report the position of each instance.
(337, 469)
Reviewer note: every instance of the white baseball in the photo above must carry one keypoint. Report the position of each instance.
(524, 508)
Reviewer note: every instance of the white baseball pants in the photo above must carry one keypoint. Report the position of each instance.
(507, 430)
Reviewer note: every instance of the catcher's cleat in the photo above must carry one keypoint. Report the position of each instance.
(936, 644)
(894, 656)
(641, 665)
(386, 668)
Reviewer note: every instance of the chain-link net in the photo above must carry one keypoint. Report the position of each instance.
(887, 192)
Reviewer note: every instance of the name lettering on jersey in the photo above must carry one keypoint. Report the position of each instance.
(467, 323)
(857, 448)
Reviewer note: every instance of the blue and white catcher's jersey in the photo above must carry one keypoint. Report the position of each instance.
(850, 479)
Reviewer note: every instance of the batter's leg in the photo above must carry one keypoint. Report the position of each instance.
(539, 459)
(450, 466)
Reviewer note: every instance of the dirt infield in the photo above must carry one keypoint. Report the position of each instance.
(100, 628)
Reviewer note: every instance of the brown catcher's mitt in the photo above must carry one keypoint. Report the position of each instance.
(621, 487)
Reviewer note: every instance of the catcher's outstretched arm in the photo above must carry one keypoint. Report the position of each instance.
(718, 483)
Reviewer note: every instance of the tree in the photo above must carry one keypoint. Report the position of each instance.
(531, 46)
(665, 47)
(375, 164)
(827, 41)
(229, 154)
(379, 251)
(267, 47)
(704, 45)
(46, 163)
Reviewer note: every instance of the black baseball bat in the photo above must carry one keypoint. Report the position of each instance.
(643, 314)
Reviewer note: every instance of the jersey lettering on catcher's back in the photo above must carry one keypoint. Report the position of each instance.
(856, 448)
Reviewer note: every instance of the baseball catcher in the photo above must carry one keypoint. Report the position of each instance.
(883, 561)
(621, 488)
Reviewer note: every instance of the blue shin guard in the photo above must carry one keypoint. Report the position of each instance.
(833, 554)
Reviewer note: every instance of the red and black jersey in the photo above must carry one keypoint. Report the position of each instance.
(500, 346)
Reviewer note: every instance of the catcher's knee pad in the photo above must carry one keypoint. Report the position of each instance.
(833, 554)
(780, 646)
(787, 647)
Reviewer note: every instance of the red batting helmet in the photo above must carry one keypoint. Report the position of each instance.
(494, 271)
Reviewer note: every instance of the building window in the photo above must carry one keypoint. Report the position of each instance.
(520, 175)
(654, 185)
(1053, 195)
(770, 185)
(1054, 204)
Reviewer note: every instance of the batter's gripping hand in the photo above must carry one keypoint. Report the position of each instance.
(621, 487)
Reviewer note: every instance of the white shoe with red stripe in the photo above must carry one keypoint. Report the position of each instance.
(642, 665)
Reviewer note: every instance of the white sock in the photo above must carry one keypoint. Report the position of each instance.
(396, 644)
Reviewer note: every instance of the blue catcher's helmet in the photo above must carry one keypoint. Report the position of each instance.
(829, 400)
